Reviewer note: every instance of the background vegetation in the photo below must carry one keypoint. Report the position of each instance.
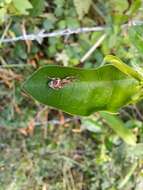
(45, 149)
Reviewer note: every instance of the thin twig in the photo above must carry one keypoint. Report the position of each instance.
(13, 65)
(93, 48)
(138, 112)
(5, 31)
(40, 35)
(55, 122)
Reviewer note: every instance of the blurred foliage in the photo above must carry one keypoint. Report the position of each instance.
(42, 148)
(82, 7)
(13, 7)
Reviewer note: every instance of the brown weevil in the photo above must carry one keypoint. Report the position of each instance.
(58, 83)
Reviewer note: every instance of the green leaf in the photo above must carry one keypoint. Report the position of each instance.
(2, 14)
(136, 37)
(72, 22)
(123, 67)
(118, 126)
(82, 7)
(105, 88)
(91, 125)
(126, 178)
(135, 152)
(38, 7)
(118, 6)
(135, 5)
(22, 6)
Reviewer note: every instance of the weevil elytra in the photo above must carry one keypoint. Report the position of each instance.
(58, 83)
